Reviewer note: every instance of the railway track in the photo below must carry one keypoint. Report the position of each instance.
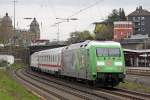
(141, 71)
(58, 91)
(128, 94)
(138, 73)
(96, 92)
(51, 88)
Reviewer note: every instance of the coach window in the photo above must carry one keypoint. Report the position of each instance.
(44, 58)
(53, 59)
(49, 58)
(57, 58)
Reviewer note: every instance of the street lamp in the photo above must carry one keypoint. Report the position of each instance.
(28, 18)
(67, 19)
(62, 20)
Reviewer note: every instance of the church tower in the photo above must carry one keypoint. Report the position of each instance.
(6, 28)
(34, 30)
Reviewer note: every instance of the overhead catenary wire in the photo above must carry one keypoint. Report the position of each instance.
(76, 13)
(81, 10)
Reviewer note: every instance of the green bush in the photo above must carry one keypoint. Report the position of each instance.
(3, 63)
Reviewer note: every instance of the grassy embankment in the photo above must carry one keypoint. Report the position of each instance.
(11, 90)
(135, 87)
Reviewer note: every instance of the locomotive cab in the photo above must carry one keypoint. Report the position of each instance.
(107, 63)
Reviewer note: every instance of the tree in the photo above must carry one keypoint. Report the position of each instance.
(117, 15)
(78, 36)
(104, 31)
(122, 16)
(114, 16)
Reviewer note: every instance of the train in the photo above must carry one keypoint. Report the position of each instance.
(98, 62)
(8, 58)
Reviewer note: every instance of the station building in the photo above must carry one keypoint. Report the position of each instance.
(137, 50)
(137, 58)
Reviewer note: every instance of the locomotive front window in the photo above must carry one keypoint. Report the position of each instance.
(113, 52)
(102, 51)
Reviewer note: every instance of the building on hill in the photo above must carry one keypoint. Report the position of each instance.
(23, 37)
(27, 37)
(19, 37)
(141, 20)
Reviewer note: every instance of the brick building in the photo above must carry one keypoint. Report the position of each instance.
(122, 29)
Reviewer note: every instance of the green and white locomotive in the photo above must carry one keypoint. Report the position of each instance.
(99, 62)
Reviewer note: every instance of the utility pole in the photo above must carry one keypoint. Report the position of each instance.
(58, 33)
(14, 21)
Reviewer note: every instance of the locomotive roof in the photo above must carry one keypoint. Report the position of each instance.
(89, 43)
(85, 44)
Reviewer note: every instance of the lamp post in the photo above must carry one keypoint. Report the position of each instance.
(62, 20)
(14, 36)
(145, 47)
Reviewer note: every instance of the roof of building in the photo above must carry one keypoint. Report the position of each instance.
(34, 22)
(104, 22)
(122, 22)
(6, 19)
(137, 51)
(139, 36)
(140, 12)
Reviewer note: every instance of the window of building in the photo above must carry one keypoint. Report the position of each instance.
(142, 23)
(139, 23)
(133, 18)
(143, 29)
(139, 18)
(139, 29)
(142, 18)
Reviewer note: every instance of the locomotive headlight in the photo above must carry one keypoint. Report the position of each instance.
(100, 63)
(118, 64)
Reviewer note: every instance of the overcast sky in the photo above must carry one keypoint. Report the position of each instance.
(46, 12)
